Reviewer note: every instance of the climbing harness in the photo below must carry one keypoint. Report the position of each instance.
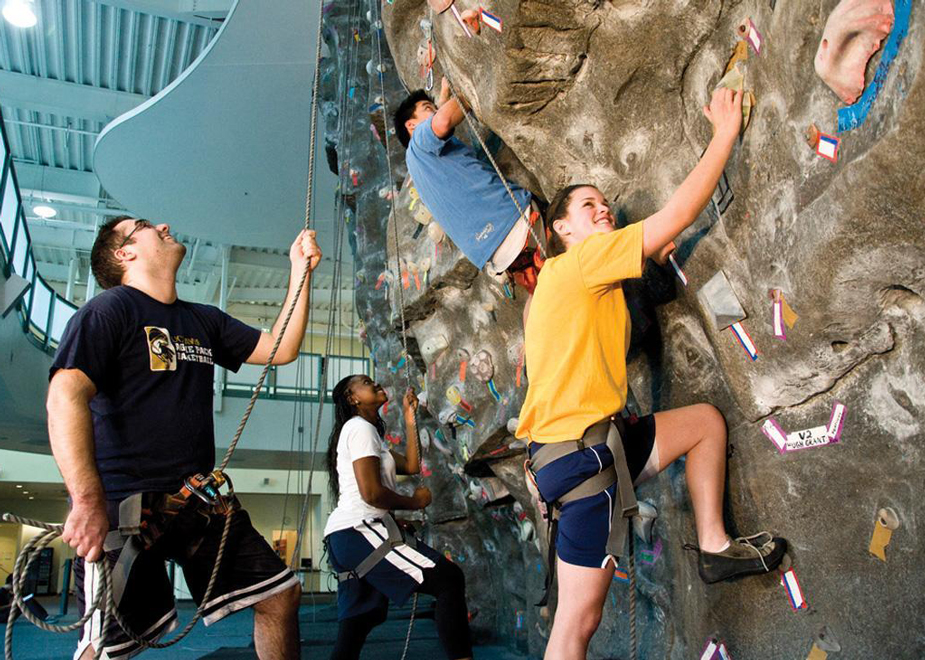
(104, 599)
(394, 539)
(609, 432)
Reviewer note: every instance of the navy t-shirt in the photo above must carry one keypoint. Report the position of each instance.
(152, 365)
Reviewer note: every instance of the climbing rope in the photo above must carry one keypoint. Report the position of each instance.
(634, 653)
(104, 598)
(398, 261)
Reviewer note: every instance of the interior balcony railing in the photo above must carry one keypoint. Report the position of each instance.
(44, 314)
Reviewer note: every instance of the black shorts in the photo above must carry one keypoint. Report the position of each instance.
(249, 573)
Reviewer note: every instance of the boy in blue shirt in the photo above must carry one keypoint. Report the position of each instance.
(465, 195)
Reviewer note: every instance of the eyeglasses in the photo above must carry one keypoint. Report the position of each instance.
(139, 224)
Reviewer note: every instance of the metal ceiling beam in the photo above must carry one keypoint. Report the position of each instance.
(58, 97)
(197, 12)
(57, 179)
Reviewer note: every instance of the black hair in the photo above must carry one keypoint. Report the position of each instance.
(558, 209)
(106, 268)
(405, 112)
(344, 411)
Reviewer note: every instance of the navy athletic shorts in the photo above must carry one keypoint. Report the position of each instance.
(585, 524)
(395, 578)
(249, 573)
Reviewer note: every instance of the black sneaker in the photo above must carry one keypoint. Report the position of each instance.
(746, 555)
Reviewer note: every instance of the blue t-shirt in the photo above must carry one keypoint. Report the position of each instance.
(152, 365)
(465, 195)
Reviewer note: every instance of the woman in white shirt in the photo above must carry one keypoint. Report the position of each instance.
(362, 474)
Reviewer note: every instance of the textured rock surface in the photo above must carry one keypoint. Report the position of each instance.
(610, 93)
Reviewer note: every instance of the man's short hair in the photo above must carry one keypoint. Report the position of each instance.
(558, 209)
(106, 268)
(405, 112)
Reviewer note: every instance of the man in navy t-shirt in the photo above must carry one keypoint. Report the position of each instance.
(465, 195)
(130, 411)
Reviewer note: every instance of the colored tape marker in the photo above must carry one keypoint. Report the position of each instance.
(489, 19)
(828, 147)
(493, 389)
(775, 434)
(461, 21)
(837, 420)
(789, 580)
(855, 115)
(742, 335)
(709, 651)
(621, 576)
(677, 269)
(779, 331)
(887, 522)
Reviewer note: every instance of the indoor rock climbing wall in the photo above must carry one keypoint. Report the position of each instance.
(797, 307)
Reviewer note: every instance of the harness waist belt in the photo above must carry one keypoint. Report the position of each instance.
(379, 553)
(609, 431)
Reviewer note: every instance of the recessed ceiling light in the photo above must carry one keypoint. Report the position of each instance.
(44, 211)
(25, 492)
(19, 13)
(19, 485)
(31, 498)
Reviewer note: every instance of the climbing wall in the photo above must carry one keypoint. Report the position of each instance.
(794, 304)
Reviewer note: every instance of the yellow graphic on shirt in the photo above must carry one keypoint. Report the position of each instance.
(161, 349)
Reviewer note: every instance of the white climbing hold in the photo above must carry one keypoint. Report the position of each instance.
(512, 424)
(481, 366)
(643, 521)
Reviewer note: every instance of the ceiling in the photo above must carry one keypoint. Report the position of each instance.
(207, 98)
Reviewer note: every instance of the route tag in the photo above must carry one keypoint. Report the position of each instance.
(827, 147)
(489, 19)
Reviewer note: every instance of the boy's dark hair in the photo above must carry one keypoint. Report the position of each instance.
(106, 268)
(558, 208)
(405, 112)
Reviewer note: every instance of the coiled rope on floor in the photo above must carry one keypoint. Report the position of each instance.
(103, 599)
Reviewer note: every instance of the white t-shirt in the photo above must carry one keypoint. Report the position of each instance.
(358, 439)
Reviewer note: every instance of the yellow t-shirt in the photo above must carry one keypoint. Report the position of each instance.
(577, 336)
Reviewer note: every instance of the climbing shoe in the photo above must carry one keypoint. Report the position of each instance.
(746, 555)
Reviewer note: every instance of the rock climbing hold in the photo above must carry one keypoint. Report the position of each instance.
(432, 347)
(720, 301)
(739, 54)
(471, 18)
(887, 523)
(489, 19)
(454, 396)
(424, 437)
(481, 366)
(439, 6)
(735, 80)
(852, 34)
(825, 641)
(643, 521)
(435, 232)
(855, 115)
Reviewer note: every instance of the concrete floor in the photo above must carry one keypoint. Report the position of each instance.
(231, 638)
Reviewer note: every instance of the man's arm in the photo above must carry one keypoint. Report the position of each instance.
(692, 196)
(449, 114)
(70, 430)
(303, 250)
